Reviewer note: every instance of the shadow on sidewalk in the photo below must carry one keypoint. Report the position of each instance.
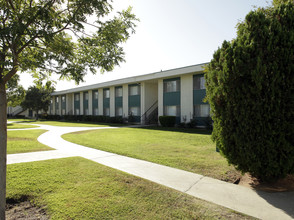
(280, 200)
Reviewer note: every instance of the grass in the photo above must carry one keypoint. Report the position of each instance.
(187, 149)
(25, 141)
(72, 124)
(76, 188)
(19, 126)
(20, 119)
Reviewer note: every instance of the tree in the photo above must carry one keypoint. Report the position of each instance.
(38, 98)
(35, 36)
(250, 89)
(15, 92)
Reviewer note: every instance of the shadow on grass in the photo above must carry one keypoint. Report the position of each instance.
(182, 130)
(74, 122)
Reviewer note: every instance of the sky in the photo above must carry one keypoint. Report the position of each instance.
(171, 34)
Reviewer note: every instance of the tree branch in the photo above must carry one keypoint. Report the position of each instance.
(11, 4)
(10, 74)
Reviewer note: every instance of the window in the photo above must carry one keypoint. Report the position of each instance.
(135, 111)
(77, 97)
(171, 85)
(106, 93)
(118, 92)
(201, 110)
(134, 90)
(86, 111)
(63, 99)
(95, 111)
(77, 111)
(56, 99)
(198, 82)
(63, 111)
(172, 110)
(95, 94)
(118, 111)
(106, 111)
(86, 96)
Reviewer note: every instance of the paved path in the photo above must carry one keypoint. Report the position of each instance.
(258, 204)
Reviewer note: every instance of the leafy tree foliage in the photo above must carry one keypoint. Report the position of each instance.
(54, 36)
(38, 98)
(250, 87)
(15, 92)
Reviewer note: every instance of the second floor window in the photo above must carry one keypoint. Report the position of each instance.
(171, 85)
(198, 82)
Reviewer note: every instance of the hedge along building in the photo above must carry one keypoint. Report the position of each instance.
(176, 92)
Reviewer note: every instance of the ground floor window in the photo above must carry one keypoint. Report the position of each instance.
(86, 111)
(118, 111)
(201, 110)
(172, 110)
(135, 111)
(106, 111)
(95, 111)
(63, 111)
(77, 111)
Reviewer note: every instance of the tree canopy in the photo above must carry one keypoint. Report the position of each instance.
(65, 37)
(250, 89)
(37, 35)
(15, 92)
(38, 97)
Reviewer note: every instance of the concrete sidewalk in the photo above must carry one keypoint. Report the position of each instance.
(258, 204)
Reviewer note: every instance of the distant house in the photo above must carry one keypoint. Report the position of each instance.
(177, 92)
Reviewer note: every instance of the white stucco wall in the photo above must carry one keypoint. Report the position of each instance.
(90, 101)
(187, 97)
(69, 104)
(100, 101)
(53, 105)
(160, 97)
(81, 103)
(112, 101)
(125, 100)
(151, 95)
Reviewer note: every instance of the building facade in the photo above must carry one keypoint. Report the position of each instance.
(177, 92)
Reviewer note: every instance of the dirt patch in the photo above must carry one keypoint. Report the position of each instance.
(232, 176)
(282, 185)
(24, 210)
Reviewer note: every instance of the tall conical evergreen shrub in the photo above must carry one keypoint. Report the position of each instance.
(250, 87)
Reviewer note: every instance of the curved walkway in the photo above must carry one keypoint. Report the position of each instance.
(258, 204)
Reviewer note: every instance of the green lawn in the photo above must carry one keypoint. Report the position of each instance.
(19, 126)
(72, 124)
(187, 149)
(76, 188)
(25, 141)
(20, 119)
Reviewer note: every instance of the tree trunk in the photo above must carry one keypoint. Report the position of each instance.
(3, 149)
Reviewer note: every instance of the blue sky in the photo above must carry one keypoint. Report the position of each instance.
(172, 34)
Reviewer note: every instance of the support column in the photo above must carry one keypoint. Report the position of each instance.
(100, 101)
(90, 102)
(112, 101)
(125, 100)
(186, 97)
(81, 103)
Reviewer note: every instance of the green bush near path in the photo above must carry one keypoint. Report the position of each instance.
(187, 149)
(76, 188)
(25, 141)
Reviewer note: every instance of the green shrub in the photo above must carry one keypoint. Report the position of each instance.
(250, 89)
(167, 121)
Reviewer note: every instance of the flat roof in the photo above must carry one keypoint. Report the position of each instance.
(136, 79)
